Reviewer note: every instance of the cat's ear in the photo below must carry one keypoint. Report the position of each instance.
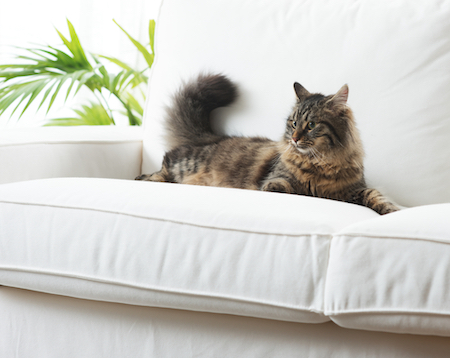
(300, 91)
(341, 97)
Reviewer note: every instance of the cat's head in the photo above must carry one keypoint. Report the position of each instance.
(321, 124)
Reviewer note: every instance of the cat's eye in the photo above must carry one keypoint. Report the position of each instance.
(294, 124)
(311, 125)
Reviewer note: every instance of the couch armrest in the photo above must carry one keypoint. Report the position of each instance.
(84, 151)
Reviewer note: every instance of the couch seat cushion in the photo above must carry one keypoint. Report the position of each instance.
(169, 245)
(392, 273)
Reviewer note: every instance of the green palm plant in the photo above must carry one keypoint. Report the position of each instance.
(46, 69)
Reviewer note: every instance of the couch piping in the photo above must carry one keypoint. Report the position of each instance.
(164, 290)
(324, 235)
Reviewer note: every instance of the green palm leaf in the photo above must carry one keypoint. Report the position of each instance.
(93, 114)
(45, 69)
(74, 46)
(45, 73)
(18, 93)
(134, 104)
(151, 34)
(137, 76)
(149, 57)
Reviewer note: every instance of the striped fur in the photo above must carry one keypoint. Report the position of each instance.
(319, 155)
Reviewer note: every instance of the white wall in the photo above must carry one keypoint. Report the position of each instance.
(27, 22)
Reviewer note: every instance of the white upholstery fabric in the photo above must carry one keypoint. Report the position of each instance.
(84, 151)
(154, 244)
(40, 325)
(392, 273)
(249, 253)
(394, 55)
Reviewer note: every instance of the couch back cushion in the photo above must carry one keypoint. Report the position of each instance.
(394, 55)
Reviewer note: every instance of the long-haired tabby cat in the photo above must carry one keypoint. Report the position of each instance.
(320, 153)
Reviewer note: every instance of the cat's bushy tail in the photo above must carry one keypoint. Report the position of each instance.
(188, 118)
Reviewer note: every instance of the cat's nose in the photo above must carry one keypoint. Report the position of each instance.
(295, 138)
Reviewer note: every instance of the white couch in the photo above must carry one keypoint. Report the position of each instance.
(94, 264)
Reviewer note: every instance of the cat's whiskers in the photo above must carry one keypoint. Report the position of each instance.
(315, 154)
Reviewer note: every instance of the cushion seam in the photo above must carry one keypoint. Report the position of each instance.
(168, 220)
(159, 289)
(386, 311)
(382, 237)
(324, 298)
(71, 142)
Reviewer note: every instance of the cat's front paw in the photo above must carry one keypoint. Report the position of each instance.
(278, 186)
(388, 208)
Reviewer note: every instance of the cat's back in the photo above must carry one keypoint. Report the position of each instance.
(238, 162)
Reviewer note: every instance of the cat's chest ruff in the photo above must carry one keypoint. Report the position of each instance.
(318, 177)
(303, 167)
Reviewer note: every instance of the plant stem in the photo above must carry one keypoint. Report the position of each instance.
(132, 120)
(105, 104)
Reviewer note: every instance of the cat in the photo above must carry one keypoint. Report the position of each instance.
(320, 153)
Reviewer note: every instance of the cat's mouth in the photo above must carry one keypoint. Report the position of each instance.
(302, 148)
